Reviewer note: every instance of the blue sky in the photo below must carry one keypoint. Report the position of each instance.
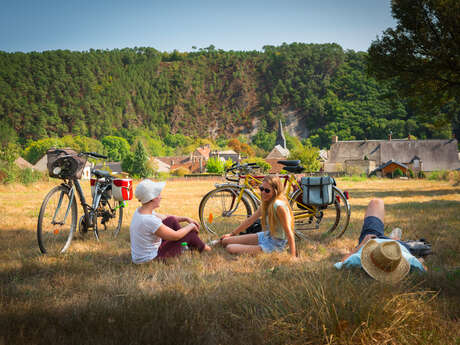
(37, 25)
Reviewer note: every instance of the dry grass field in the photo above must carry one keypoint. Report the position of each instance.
(94, 295)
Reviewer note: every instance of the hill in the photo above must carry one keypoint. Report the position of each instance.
(319, 90)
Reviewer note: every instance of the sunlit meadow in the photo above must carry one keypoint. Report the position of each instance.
(94, 295)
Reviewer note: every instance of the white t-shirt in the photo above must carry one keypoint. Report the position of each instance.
(144, 242)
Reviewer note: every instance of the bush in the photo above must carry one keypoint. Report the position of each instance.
(397, 173)
(264, 166)
(421, 174)
(182, 171)
(28, 175)
(410, 173)
(215, 165)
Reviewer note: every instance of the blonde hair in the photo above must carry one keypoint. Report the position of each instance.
(268, 209)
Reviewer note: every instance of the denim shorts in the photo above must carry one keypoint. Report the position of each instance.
(270, 244)
(374, 226)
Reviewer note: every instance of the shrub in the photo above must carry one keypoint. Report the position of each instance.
(421, 174)
(264, 166)
(410, 173)
(215, 165)
(27, 176)
(182, 171)
(398, 173)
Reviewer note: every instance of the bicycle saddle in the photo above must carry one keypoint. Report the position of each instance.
(296, 170)
(101, 173)
(290, 163)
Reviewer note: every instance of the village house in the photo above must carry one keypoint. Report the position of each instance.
(365, 156)
(23, 164)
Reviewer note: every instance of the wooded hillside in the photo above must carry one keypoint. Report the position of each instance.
(206, 93)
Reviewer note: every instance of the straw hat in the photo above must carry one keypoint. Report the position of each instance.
(384, 261)
(148, 190)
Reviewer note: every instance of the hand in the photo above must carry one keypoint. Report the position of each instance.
(192, 221)
(226, 236)
(193, 227)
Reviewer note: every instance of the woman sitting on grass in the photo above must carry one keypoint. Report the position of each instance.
(277, 221)
(155, 235)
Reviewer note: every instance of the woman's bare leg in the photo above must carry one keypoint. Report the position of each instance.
(243, 249)
(250, 239)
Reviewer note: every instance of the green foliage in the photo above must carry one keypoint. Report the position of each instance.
(421, 174)
(215, 165)
(136, 164)
(397, 173)
(181, 172)
(37, 149)
(116, 148)
(308, 156)
(422, 54)
(264, 140)
(265, 167)
(410, 173)
(144, 94)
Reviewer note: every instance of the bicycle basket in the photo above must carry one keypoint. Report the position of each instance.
(64, 163)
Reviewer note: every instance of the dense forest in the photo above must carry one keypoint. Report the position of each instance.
(206, 93)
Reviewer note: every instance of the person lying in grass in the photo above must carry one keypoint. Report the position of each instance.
(386, 259)
(155, 235)
(277, 223)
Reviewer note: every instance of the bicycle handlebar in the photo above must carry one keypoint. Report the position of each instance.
(240, 168)
(94, 155)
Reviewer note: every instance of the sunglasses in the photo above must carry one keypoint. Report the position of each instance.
(266, 190)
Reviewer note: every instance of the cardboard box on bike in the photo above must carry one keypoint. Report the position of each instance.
(317, 190)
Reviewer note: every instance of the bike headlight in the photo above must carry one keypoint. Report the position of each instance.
(57, 170)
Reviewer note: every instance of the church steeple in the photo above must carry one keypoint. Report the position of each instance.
(280, 139)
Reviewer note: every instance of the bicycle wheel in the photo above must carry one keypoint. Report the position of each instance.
(220, 212)
(320, 222)
(57, 221)
(108, 218)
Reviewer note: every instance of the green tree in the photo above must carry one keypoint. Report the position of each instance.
(35, 150)
(215, 165)
(423, 53)
(265, 167)
(116, 148)
(308, 156)
(137, 163)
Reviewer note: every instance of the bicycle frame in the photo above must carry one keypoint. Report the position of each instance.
(246, 187)
(74, 184)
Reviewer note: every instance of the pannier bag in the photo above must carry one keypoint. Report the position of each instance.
(317, 190)
(61, 166)
(122, 189)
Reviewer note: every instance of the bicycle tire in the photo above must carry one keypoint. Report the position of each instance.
(215, 212)
(320, 223)
(56, 238)
(108, 219)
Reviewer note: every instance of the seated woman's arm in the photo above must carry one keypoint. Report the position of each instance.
(166, 233)
(180, 219)
(284, 219)
(245, 224)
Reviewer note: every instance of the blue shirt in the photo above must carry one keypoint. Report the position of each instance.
(354, 260)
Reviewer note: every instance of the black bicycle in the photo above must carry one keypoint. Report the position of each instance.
(58, 216)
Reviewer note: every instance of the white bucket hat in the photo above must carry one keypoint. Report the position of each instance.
(384, 261)
(148, 190)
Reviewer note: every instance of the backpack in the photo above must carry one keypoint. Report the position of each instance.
(418, 248)
(253, 228)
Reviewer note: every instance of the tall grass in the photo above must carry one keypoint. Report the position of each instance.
(93, 294)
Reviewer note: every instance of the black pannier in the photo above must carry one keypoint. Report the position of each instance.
(65, 163)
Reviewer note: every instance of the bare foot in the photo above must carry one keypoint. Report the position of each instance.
(207, 248)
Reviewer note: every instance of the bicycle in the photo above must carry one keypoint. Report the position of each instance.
(224, 208)
(58, 215)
